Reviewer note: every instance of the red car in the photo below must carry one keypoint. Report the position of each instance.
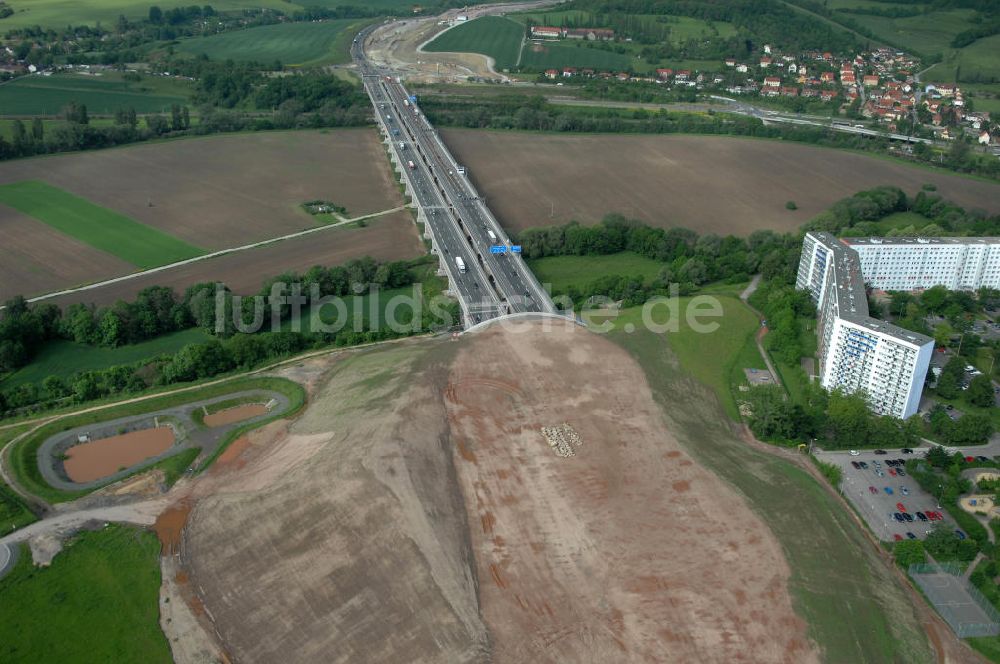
(872, 489)
(933, 516)
(901, 507)
(892, 471)
(897, 537)
(969, 459)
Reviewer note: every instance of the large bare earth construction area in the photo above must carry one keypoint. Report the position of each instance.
(712, 184)
(415, 512)
(215, 193)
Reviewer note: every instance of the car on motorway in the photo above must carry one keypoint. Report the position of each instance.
(880, 452)
(888, 490)
(872, 489)
(855, 453)
(901, 507)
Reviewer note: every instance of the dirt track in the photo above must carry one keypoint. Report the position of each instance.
(711, 184)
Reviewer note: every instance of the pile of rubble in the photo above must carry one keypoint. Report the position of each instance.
(562, 439)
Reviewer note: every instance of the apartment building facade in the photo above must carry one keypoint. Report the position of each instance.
(857, 352)
(911, 263)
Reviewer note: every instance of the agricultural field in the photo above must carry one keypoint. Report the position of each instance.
(840, 585)
(97, 601)
(216, 193)
(386, 238)
(682, 28)
(292, 44)
(64, 358)
(709, 183)
(98, 227)
(563, 272)
(493, 36)
(104, 94)
(549, 55)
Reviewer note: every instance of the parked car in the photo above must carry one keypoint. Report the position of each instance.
(897, 537)
(903, 490)
(892, 471)
(908, 517)
(856, 466)
(901, 507)
(898, 517)
(906, 450)
(959, 534)
(888, 490)
(880, 452)
(981, 458)
(863, 464)
(900, 472)
(872, 489)
(911, 535)
(969, 459)
(921, 516)
(880, 473)
(855, 453)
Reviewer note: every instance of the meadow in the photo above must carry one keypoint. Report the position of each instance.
(493, 36)
(839, 583)
(98, 227)
(64, 358)
(105, 94)
(14, 513)
(563, 272)
(97, 602)
(292, 44)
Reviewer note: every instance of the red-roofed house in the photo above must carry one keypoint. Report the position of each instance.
(870, 80)
(827, 77)
(682, 74)
(546, 32)
(847, 78)
(827, 95)
(789, 92)
(765, 62)
(664, 74)
(551, 73)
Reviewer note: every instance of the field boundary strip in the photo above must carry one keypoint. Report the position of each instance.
(99, 227)
(208, 256)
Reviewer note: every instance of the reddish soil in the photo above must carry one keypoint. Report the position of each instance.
(235, 414)
(169, 527)
(392, 237)
(231, 458)
(100, 458)
(712, 184)
(35, 258)
(626, 551)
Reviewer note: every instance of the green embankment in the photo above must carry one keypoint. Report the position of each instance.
(101, 228)
(97, 602)
(854, 610)
(105, 94)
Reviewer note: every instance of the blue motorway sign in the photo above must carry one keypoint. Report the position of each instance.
(515, 248)
(498, 249)
(413, 99)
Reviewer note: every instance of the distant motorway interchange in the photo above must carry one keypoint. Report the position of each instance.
(485, 270)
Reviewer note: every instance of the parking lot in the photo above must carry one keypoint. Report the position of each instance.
(878, 507)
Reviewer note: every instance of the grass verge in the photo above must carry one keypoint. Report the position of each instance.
(23, 456)
(97, 602)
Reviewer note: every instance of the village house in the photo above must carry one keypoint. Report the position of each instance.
(870, 81)
(765, 62)
(772, 82)
(682, 75)
(730, 62)
(827, 77)
(742, 68)
(664, 74)
(551, 73)
(543, 32)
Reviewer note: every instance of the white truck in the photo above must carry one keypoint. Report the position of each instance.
(460, 263)
(493, 236)
(411, 165)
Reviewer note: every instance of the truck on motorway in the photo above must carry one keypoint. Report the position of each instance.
(411, 165)
(460, 263)
(493, 236)
(402, 145)
(406, 103)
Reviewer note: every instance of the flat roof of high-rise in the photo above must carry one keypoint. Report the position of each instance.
(917, 241)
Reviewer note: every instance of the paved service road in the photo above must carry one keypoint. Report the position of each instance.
(485, 270)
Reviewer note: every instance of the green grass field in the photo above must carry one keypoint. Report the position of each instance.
(49, 95)
(140, 245)
(14, 513)
(578, 271)
(838, 584)
(294, 44)
(64, 358)
(577, 54)
(493, 36)
(97, 602)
